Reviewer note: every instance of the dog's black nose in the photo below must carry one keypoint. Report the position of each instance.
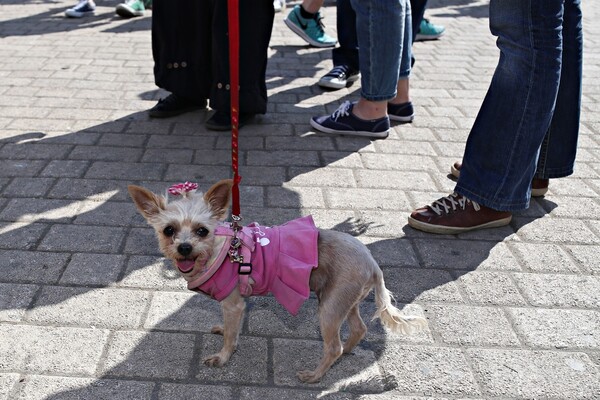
(185, 249)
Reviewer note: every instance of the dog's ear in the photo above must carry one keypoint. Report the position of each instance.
(218, 198)
(146, 202)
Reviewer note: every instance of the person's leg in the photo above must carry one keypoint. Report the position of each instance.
(345, 57)
(380, 26)
(418, 11)
(400, 107)
(557, 153)
(347, 52)
(501, 151)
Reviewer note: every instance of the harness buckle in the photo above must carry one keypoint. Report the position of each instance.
(245, 268)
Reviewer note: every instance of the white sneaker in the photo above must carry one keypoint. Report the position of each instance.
(277, 5)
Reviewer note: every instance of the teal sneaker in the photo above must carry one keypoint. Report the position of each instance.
(429, 31)
(133, 8)
(310, 30)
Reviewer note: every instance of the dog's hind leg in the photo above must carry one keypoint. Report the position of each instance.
(358, 329)
(233, 307)
(333, 310)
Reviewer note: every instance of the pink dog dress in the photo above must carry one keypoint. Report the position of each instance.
(282, 258)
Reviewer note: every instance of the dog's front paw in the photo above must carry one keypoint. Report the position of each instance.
(217, 330)
(308, 376)
(215, 361)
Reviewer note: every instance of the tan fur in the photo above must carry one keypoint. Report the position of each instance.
(346, 274)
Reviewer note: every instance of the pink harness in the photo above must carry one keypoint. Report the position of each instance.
(278, 259)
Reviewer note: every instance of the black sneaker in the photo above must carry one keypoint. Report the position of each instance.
(221, 121)
(339, 77)
(401, 112)
(343, 122)
(173, 105)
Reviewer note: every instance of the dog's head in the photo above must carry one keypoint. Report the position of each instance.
(185, 227)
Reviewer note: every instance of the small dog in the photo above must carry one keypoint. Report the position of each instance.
(192, 233)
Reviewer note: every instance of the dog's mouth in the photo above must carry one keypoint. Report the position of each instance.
(185, 266)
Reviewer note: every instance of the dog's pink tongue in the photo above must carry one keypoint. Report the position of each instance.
(185, 266)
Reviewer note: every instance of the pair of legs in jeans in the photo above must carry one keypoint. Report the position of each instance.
(528, 124)
(382, 31)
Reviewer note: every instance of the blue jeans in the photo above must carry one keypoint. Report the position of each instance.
(528, 123)
(384, 33)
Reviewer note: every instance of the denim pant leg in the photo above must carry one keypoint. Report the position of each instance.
(503, 145)
(380, 27)
(557, 154)
(347, 52)
(407, 40)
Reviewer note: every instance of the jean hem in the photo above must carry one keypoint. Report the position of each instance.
(498, 205)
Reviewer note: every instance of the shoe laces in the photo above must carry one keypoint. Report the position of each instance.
(451, 202)
(342, 111)
(338, 71)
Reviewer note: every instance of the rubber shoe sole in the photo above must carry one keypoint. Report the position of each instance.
(452, 230)
(336, 84)
(369, 134)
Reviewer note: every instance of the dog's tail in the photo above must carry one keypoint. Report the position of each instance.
(389, 315)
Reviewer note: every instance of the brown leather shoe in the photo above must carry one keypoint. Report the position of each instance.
(539, 187)
(456, 214)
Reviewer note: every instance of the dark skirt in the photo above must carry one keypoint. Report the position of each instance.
(190, 45)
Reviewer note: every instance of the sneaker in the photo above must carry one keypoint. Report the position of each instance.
(401, 112)
(539, 187)
(221, 121)
(277, 5)
(429, 31)
(174, 105)
(339, 77)
(83, 9)
(456, 214)
(310, 30)
(343, 122)
(132, 8)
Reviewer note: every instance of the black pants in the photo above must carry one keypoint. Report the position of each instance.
(190, 46)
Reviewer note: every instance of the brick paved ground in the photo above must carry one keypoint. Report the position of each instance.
(88, 310)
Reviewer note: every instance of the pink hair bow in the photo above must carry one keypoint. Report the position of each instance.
(182, 188)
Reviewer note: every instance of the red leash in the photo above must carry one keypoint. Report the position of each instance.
(234, 78)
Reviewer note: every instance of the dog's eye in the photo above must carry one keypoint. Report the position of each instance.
(169, 231)
(202, 232)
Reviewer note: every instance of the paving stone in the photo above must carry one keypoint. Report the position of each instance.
(104, 308)
(544, 257)
(149, 355)
(249, 363)
(366, 199)
(73, 388)
(391, 252)
(329, 177)
(393, 179)
(14, 299)
(172, 391)
(551, 290)
(472, 326)
(463, 254)
(251, 393)
(93, 269)
(429, 369)
(552, 328)
(90, 189)
(294, 197)
(28, 187)
(34, 210)
(37, 267)
(108, 213)
(352, 371)
(266, 317)
(52, 350)
(555, 230)
(587, 256)
(490, 288)
(422, 285)
(105, 153)
(76, 238)
(7, 381)
(186, 311)
(152, 273)
(535, 374)
(124, 171)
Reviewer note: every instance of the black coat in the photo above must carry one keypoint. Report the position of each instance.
(190, 46)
